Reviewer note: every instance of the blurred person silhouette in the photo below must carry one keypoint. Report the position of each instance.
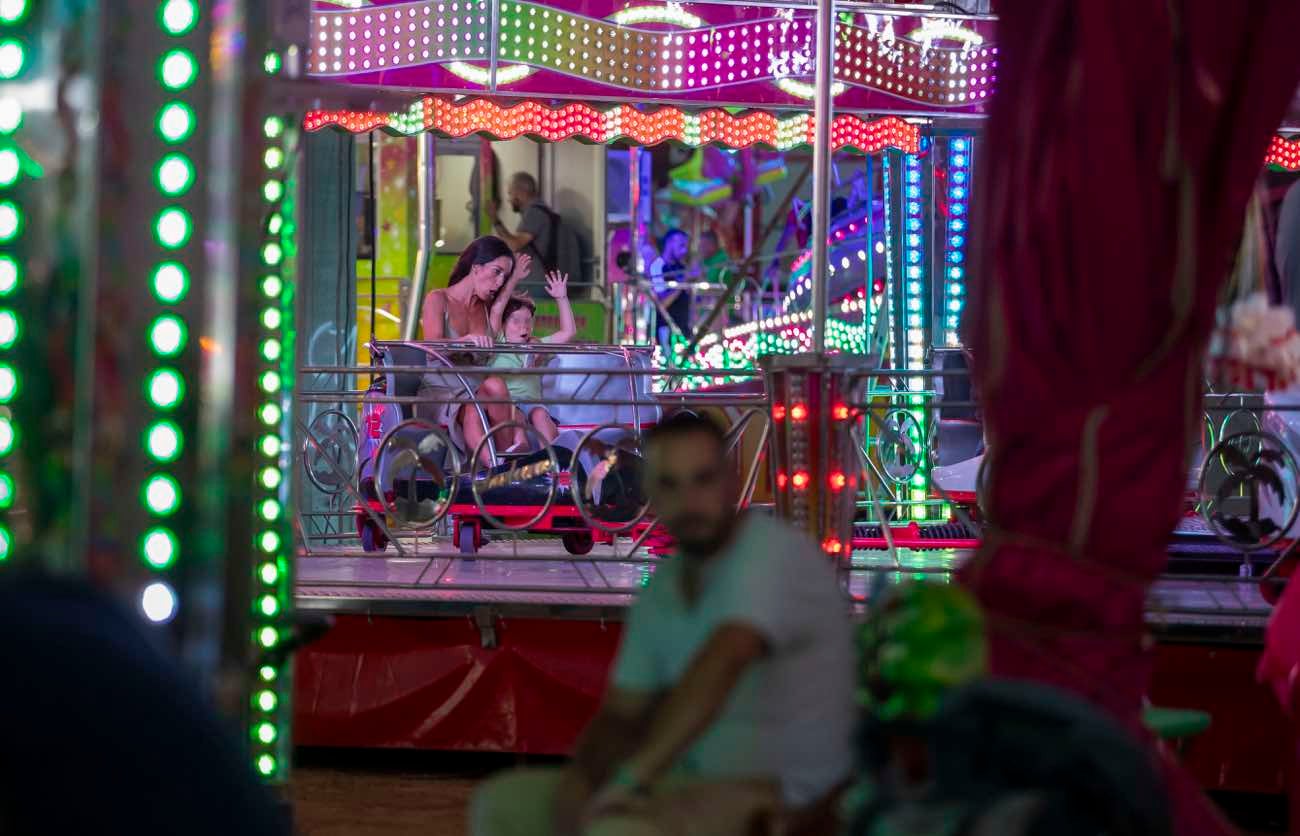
(671, 284)
(105, 734)
(730, 706)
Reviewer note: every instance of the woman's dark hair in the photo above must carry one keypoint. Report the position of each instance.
(480, 251)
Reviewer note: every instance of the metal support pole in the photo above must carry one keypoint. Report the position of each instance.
(822, 114)
(425, 192)
(634, 242)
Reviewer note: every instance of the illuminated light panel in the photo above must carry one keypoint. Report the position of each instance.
(622, 52)
(509, 74)
(585, 123)
(1284, 153)
(960, 165)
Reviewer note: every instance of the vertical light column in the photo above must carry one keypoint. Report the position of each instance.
(273, 539)
(170, 228)
(15, 50)
(960, 152)
(887, 326)
(916, 328)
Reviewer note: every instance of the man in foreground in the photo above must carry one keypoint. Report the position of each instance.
(731, 701)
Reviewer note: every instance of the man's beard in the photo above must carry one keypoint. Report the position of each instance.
(702, 542)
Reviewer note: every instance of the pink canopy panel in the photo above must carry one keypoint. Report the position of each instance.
(1121, 150)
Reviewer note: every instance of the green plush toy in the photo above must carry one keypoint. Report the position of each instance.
(920, 641)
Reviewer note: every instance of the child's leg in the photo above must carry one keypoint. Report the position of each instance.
(520, 438)
(543, 423)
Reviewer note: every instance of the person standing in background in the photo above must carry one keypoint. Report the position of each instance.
(538, 233)
(669, 280)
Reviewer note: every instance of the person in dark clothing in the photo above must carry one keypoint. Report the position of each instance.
(671, 284)
(105, 734)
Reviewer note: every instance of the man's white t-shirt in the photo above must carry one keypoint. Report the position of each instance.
(792, 714)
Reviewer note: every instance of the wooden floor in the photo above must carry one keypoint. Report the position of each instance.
(405, 793)
(386, 793)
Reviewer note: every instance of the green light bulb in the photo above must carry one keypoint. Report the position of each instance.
(175, 175)
(11, 221)
(172, 227)
(178, 17)
(270, 445)
(8, 383)
(273, 127)
(269, 541)
(272, 254)
(270, 382)
(268, 637)
(163, 440)
(10, 328)
(6, 543)
(8, 435)
(270, 414)
(11, 115)
(165, 388)
(272, 63)
(272, 287)
(270, 510)
(178, 69)
(269, 605)
(269, 573)
(271, 350)
(270, 478)
(273, 191)
(176, 122)
(9, 167)
(267, 673)
(9, 274)
(266, 733)
(167, 335)
(12, 58)
(13, 11)
(158, 546)
(271, 318)
(170, 282)
(265, 701)
(162, 494)
(266, 765)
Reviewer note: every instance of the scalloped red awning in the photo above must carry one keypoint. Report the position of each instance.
(623, 122)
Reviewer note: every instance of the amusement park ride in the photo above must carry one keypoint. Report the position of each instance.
(188, 171)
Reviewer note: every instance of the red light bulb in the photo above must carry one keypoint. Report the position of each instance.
(799, 412)
(778, 412)
(838, 481)
(840, 412)
(832, 545)
(781, 479)
(800, 480)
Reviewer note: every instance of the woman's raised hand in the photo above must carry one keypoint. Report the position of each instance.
(557, 284)
(523, 263)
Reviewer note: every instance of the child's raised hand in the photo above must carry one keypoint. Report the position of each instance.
(523, 263)
(557, 284)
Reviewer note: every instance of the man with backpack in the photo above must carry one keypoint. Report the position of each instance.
(542, 234)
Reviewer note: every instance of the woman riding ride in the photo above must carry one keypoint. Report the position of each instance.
(469, 309)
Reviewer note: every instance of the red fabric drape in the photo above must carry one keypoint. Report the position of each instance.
(1119, 156)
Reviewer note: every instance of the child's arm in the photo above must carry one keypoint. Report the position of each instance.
(557, 284)
(523, 262)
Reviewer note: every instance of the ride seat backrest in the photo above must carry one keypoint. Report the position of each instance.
(633, 389)
(403, 384)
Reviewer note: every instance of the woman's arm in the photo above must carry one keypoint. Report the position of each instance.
(434, 315)
(523, 263)
(557, 284)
